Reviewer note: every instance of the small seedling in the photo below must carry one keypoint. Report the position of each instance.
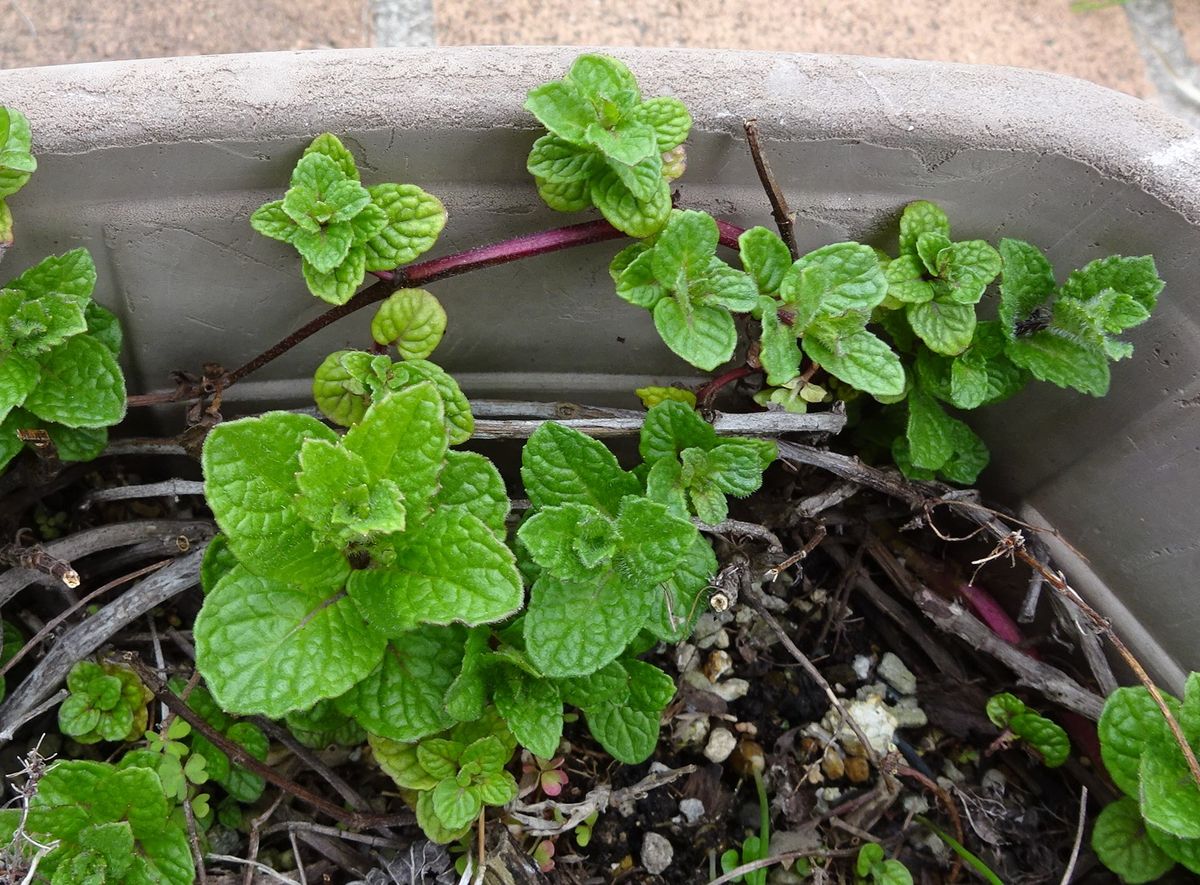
(872, 866)
(108, 702)
(1044, 737)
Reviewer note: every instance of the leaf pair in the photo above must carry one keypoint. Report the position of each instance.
(1075, 345)
(692, 469)
(1009, 712)
(606, 144)
(110, 825)
(825, 300)
(342, 544)
(342, 229)
(16, 164)
(107, 702)
(58, 359)
(938, 281)
(1157, 824)
(690, 291)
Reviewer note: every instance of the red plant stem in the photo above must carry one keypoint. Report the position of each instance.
(706, 394)
(729, 234)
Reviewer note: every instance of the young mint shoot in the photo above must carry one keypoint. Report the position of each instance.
(342, 229)
(17, 164)
(1047, 738)
(607, 146)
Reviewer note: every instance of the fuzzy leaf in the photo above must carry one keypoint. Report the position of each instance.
(602, 79)
(968, 267)
(81, 385)
(627, 143)
(629, 731)
(668, 117)
(1136, 277)
(562, 109)
(1169, 798)
(533, 710)
(780, 354)
(671, 427)
(103, 325)
(678, 602)
(1027, 281)
(471, 482)
(18, 377)
(1062, 359)
(907, 280)
(563, 466)
(402, 438)
(930, 432)
(403, 698)
(838, 278)
(572, 629)
(765, 257)
(460, 423)
(684, 249)
(624, 210)
(453, 568)
(570, 541)
(331, 146)
(557, 161)
(918, 218)
(1120, 841)
(269, 647)
(413, 320)
(704, 336)
(16, 161)
(1182, 851)
(72, 273)
(414, 221)
(454, 805)
(1130, 719)
(652, 541)
(250, 470)
(945, 326)
(635, 278)
(930, 245)
(857, 357)
(325, 248)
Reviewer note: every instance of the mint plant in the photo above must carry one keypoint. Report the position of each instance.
(344, 230)
(1157, 823)
(125, 831)
(607, 147)
(1008, 712)
(873, 866)
(58, 359)
(17, 164)
(108, 702)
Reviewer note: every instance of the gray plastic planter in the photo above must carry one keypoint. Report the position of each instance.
(155, 166)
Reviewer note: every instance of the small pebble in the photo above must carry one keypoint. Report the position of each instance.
(862, 667)
(875, 720)
(893, 671)
(691, 809)
(658, 768)
(721, 743)
(832, 764)
(707, 628)
(722, 638)
(692, 731)
(731, 689)
(686, 657)
(915, 803)
(717, 665)
(908, 714)
(747, 728)
(657, 853)
(858, 770)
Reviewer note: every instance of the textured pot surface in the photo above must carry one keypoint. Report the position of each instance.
(156, 165)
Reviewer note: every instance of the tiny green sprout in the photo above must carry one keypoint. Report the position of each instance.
(1157, 823)
(871, 866)
(543, 855)
(652, 396)
(1046, 738)
(583, 832)
(342, 229)
(107, 702)
(607, 146)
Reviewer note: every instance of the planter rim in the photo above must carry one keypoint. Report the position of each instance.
(916, 105)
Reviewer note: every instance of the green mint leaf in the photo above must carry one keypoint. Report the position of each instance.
(72, 274)
(331, 146)
(603, 80)
(1120, 841)
(37, 325)
(737, 465)
(440, 757)
(369, 223)
(765, 257)
(1169, 798)
(562, 109)
(1129, 720)
(338, 500)
(471, 482)
(81, 385)
(269, 647)
(323, 726)
(684, 249)
(652, 396)
(250, 468)
(855, 356)
(780, 353)
(624, 210)
(6, 224)
(1135, 277)
(339, 285)
(432, 825)
(16, 161)
(945, 326)
(1058, 357)
(103, 326)
(1026, 282)
(969, 458)
(633, 272)
(402, 438)
(609, 684)
(834, 280)
(629, 730)
(347, 199)
(452, 568)
(708, 501)
(454, 805)
(18, 377)
(401, 763)
(326, 248)
(652, 541)
(907, 282)
(570, 541)
(919, 218)
(1182, 851)
(571, 196)
(723, 286)
(414, 221)
(664, 484)
(339, 386)
(572, 629)
(460, 423)
(557, 161)
(643, 178)
(679, 601)
(403, 698)
(240, 783)
(563, 466)
(10, 443)
(413, 320)
(627, 143)
(533, 710)
(1124, 312)
(271, 221)
(668, 117)
(704, 336)
(671, 427)
(968, 267)
(466, 698)
(969, 386)
(929, 247)
(1045, 736)
(930, 433)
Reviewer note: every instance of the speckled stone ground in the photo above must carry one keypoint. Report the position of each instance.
(1043, 34)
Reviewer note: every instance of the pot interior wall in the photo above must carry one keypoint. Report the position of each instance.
(191, 282)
